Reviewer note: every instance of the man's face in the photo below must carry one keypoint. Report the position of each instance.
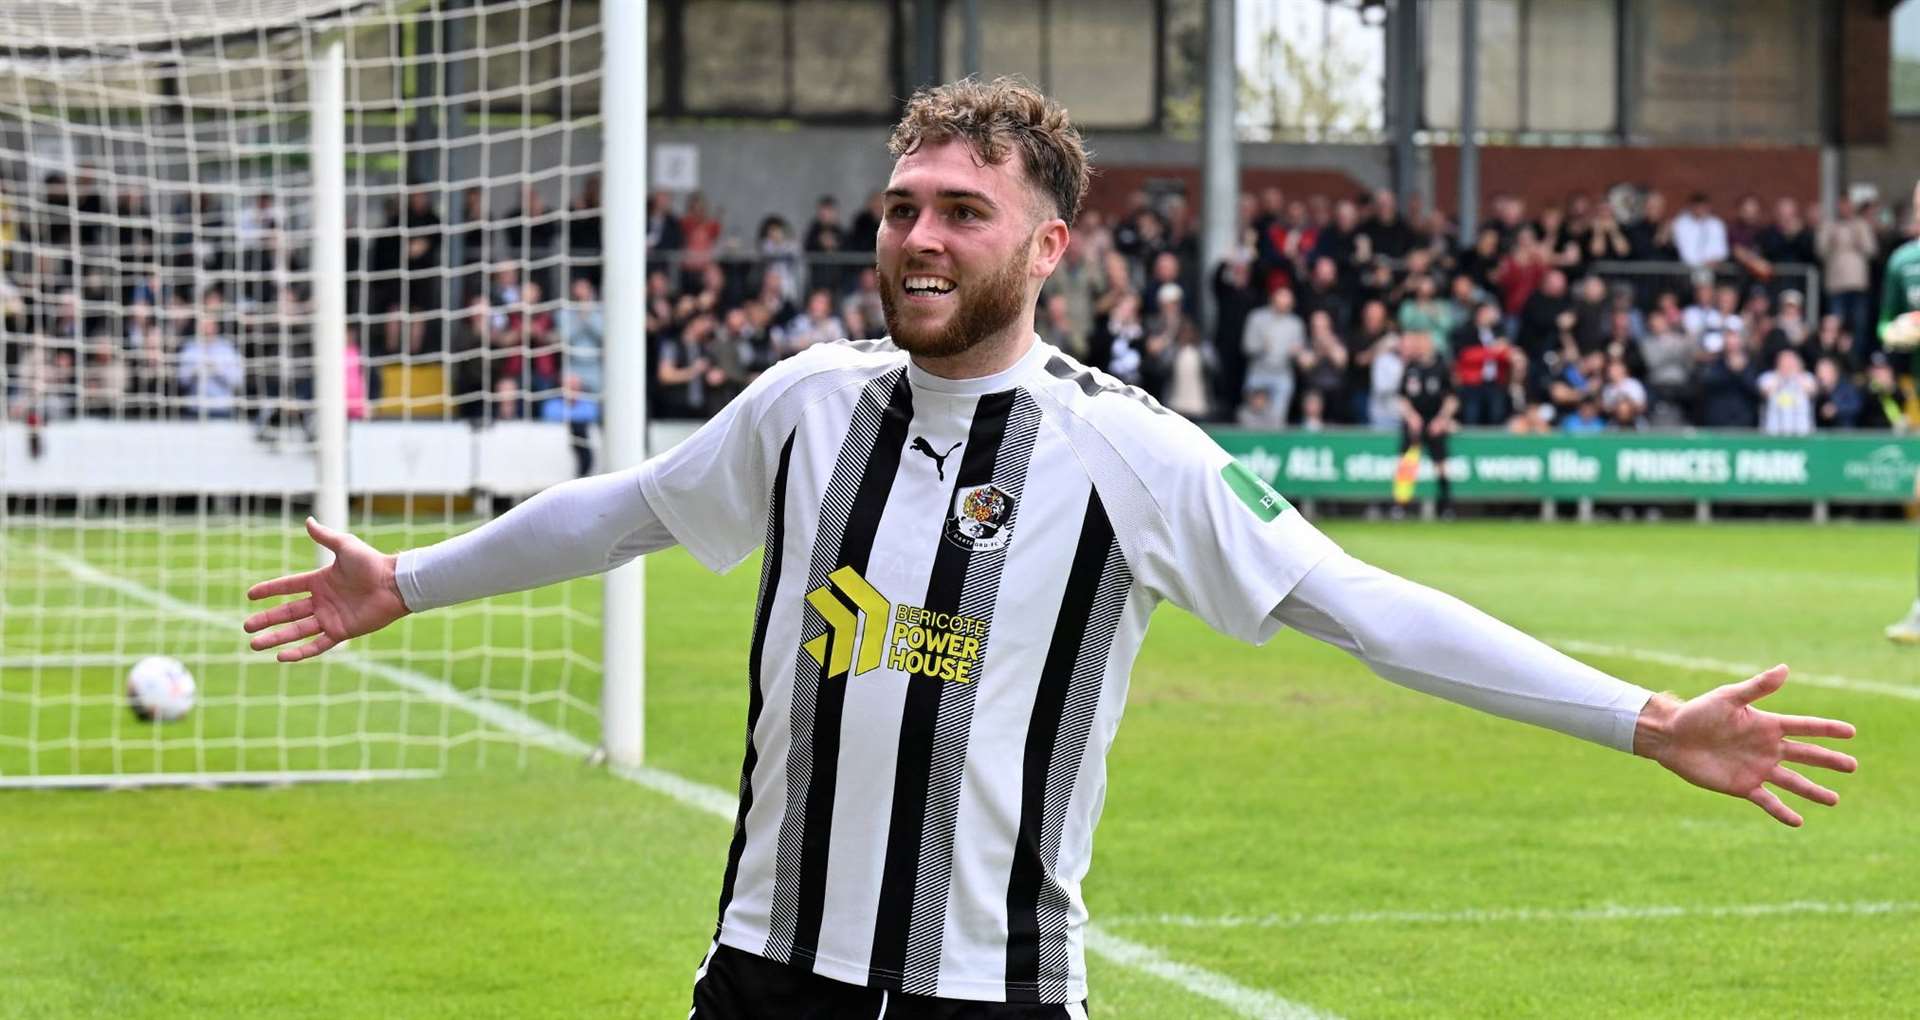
(955, 254)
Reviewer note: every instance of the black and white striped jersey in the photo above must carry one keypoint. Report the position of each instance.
(957, 576)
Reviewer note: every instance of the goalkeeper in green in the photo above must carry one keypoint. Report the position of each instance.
(1900, 332)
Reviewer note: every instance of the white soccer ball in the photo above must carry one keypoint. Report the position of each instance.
(160, 689)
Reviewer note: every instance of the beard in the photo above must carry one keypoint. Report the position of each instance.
(985, 309)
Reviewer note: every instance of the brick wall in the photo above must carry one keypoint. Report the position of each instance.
(1548, 175)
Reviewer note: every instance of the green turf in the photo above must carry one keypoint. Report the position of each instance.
(1281, 785)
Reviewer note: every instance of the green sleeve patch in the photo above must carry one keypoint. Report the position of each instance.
(1254, 491)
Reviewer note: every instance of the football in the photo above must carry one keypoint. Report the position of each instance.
(159, 689)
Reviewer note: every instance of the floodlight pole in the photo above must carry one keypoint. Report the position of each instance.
(1220, 192)
(623, 405)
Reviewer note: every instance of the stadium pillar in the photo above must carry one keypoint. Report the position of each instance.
(1220, 190)
(970, 38)
(926, 42)
(624, 431)
(329, 153)
(1469, 120)
(1403, 94)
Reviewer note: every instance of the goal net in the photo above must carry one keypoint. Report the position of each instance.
(192, 365)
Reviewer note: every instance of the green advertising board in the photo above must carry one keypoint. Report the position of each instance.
(1490, 465)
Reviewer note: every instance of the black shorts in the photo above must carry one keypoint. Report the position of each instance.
(736, 985)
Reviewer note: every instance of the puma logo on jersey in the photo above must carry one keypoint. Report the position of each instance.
(939, 459)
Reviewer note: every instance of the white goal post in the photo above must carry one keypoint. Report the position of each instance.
(261, 259)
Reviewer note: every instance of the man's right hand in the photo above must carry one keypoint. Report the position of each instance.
(355, 594)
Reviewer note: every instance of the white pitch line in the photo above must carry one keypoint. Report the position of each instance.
(1606, 912)
(1247, 1002)
(1218, 988)
(1736, 670)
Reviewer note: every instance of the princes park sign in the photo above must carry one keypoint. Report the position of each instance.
(1354, 464)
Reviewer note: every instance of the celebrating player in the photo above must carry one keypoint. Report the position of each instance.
(942, 640)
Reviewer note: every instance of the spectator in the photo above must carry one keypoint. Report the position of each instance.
(1711, 323)
(1322, 366)
(865, 232)
(1541, 314)
(1699, 236)
(1480, 264)
(1585, 418)
(1055, 326)
(663, 227)
(1257, 412)
(1389, 368)
(1668, 354)
(700, 236)
(1847, 245)
(1788, 331)
(1593, 315)
(583, 222)
(582, 326)
(1789, 392)
(816, 325)
(1744, 237)
(1650, 238)
(1833, 341)
(865, 303)
(1126, 339)
(1187, 366)
(1274, 340)
(1881, 398)
(1524, 271)
(1424, 312)
(1365, 337)
(826, 239)
(1840, 401)
(1604, 239)
(210, 372)
(1788, 239)
(505, 402)
(1729, 387)
(1623, 400)
(1235, 299)
(1075, 279)
(1323, 293)
(578, 410)
(102, 380)
(780, 259)
(422, 232)
(682, 372)
(1386, 232)
(1484, 369)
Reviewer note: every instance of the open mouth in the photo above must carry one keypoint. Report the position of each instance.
(926, 287)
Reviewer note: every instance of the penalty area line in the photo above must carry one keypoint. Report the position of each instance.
(1217, 988)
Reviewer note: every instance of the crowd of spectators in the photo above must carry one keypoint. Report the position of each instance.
(1540, 323)
(200, 307)
(203, 310)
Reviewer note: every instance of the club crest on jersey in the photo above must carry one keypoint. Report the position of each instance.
(981, 519)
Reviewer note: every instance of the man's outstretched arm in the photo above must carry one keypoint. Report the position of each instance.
(1432, 642)
(573, 529)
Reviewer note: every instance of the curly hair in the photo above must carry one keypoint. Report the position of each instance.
(995, 117)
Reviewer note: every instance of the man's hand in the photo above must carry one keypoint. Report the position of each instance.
(356, 594)
(1719, 741)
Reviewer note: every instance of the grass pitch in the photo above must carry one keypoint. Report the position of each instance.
(1277, 816)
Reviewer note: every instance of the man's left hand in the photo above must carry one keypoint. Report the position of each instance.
(1719, 741)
